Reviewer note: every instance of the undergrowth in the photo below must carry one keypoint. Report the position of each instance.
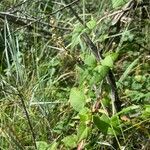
(54, 94)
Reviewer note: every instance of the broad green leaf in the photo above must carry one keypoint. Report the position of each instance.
(70, 141)
(77, 99)
(102, 123)
(91, 24)
(82, 132)
(41, 145)
(109, 60)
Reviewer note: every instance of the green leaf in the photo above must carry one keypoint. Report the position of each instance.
(146, 111)
(102, 123)
(77, 99)
(117, 3)
(95, 78)
(90, 60)
(102, 70)
(85, 115)
(114, 56)
(147, 108)
(109, 60)
(128, 109)
(75, 40)
(78, 28)
(106, 101)
(82, 132)
(105, 118)
(91, 24)
(127, 36)
(53, 146)
(83, 74)
(114, 122)
(76, 35)
(103, 37)
(70, 141)
(128, 70)
(41, 145)
(99, 73)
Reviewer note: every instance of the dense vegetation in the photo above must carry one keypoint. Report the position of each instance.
(75, 74)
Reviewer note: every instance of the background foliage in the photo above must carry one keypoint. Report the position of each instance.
(53, 91)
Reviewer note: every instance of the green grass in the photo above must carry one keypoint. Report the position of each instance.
(51, 100)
